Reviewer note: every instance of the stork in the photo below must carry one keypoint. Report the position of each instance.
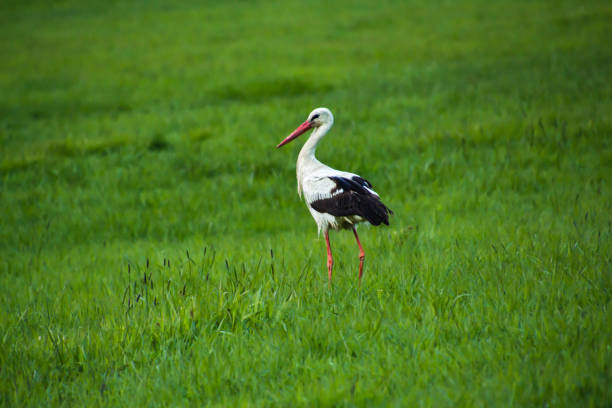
(336, 199)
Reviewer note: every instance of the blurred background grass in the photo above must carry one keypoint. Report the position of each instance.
(133, 132)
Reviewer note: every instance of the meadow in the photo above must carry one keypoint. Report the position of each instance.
(154, 251)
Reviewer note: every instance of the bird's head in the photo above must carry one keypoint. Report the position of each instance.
(317, 118)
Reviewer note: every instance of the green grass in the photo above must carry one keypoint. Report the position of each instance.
(154, 252)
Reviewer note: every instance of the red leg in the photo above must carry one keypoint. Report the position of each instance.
(361, 254)
(330, 259)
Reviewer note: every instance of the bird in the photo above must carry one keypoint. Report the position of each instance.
(336, 199)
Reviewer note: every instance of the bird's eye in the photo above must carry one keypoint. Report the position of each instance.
(314, 116)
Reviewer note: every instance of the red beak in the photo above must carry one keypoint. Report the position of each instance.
(301, 129)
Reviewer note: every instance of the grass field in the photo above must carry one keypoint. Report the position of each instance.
(154, 251)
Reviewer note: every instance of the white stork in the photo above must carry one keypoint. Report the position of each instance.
(336, 199)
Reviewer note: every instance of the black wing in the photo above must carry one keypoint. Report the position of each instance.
(352, 197)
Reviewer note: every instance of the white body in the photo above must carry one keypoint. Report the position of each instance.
(314, 182)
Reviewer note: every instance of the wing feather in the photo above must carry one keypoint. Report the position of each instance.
(350, 197)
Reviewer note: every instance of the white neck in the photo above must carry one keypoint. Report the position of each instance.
(309, 148)
(307, 162)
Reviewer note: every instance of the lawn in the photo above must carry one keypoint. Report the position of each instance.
(154, 251)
